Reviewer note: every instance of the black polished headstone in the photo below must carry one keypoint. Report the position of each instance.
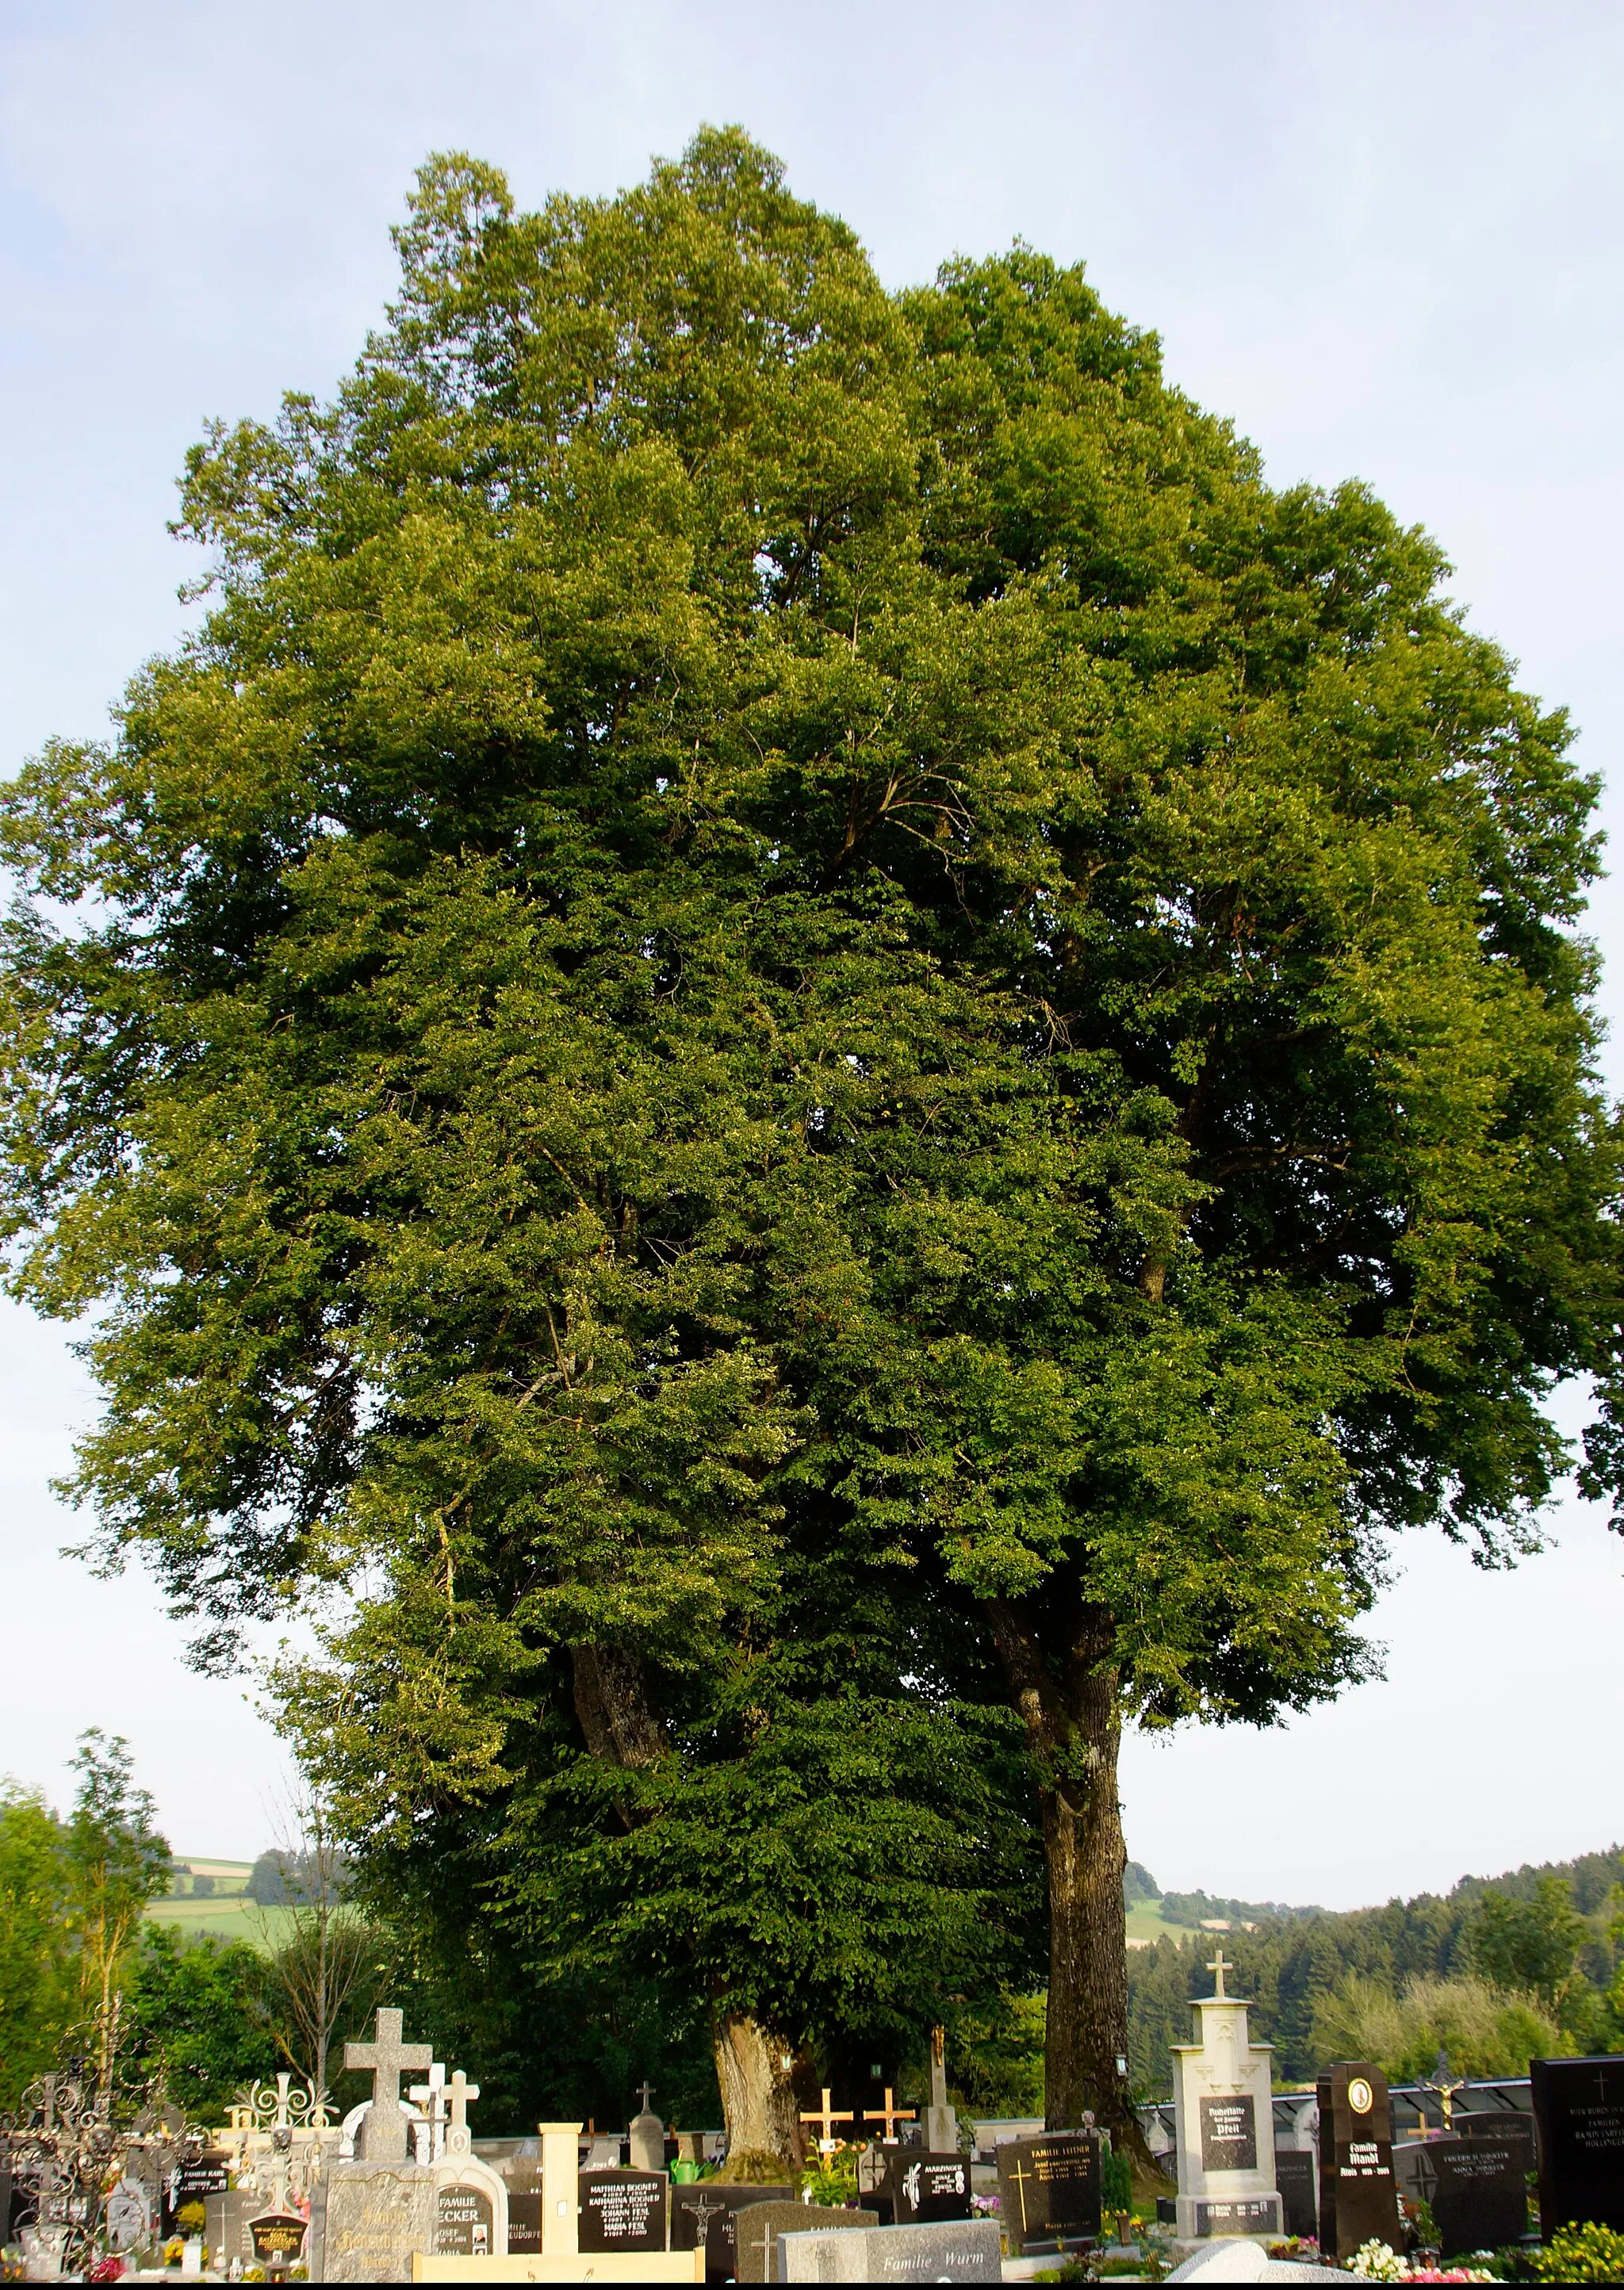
(1358, 2197)
(465, 2221)
(523, 2221)
(622, 2210)
(1579, 2107)
(705, 2215)
(1049, 2188)
(1229, 2133)
(279, 2234)
(925, 2190)
(1477, 2189)
(1295, 2172)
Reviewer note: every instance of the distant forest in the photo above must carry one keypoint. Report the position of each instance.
(1502, 1968)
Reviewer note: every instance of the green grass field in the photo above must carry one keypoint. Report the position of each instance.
(226, 1913)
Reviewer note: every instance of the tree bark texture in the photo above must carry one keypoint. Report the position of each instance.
(1066, 1699)
(758, 2099)
(620, 1725)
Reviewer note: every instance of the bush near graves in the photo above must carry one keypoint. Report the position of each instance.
(798, 1022)
(198, 2015)
(1581, 2254)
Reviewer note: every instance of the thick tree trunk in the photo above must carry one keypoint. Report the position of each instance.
(759, 2100)
(612, 1702)
(1070, 1709)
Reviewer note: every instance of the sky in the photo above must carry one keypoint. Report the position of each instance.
(1387, 240)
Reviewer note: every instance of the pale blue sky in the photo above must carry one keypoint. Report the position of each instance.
(1386, 239)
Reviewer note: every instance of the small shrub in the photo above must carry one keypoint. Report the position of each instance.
(1582, 2253)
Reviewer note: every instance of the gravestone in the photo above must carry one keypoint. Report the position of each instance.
(1358, 2197)
(1048, 2189)
(1224, 2122)
(1498, 2123)
(705, 2216)
(471, 2216)
(278, 2236)
(226, 2218)
(761, 2226)
(523, 2178)
(198, 2177)
(622, 2210)
(962, 2250)
(921, 2188)
(645, 2140)
(1579, 2107)
(380, 2136)
(1477, 2189)
(372, 2215)
(1295, 2172)
(368, 2218)
(465, 2219)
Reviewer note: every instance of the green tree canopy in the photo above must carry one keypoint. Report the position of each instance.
(796, 1027)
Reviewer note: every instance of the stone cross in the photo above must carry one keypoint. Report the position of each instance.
(648, 2089)
(889, 2114)
(459, 2091)
(1218, 1967)
(826, 2117)
(939, 2067)
(383, 2130)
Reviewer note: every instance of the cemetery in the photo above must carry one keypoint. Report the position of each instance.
(799, 1063)
(1490, 2179)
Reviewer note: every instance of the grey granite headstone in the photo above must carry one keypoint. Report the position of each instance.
(760, 2227)
(376, 2215)
(226, 2228)
(958, 2250)
(705, 2216)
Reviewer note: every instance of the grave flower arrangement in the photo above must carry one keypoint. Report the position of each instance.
(1378, 2261)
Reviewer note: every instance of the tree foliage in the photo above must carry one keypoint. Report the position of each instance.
(798, 1026)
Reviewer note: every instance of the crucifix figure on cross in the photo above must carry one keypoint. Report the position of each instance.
(826, 2117)
(383, 2127)
(888, 2115)
(1217, 1968)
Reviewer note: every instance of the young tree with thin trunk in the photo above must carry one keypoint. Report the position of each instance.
(321, 1950)
(821, 1050)
(116, 1862)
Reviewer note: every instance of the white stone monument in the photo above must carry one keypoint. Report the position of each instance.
(1224, 2114)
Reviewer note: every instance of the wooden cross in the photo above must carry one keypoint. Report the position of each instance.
(887, 2115)
(1217, 1968)
(826, 2119)
(388, 2059)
